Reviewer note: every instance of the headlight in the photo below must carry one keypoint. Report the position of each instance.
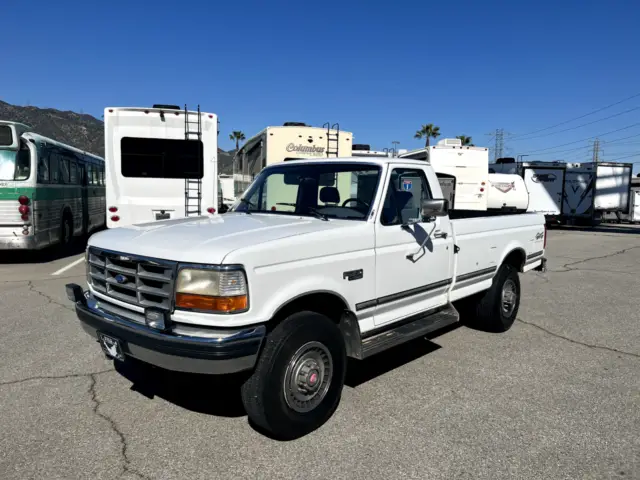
(211, 290)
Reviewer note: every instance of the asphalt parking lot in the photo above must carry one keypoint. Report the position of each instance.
(556, 397)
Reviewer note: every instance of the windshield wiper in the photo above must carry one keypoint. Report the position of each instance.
(317, 214)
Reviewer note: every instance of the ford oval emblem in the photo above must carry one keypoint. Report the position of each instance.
(121, 279)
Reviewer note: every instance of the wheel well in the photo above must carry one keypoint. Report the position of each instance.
(325, 303)
(516, 259)
(66, 213)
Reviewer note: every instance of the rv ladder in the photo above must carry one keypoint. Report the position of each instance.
(193, 186)
(333, 137)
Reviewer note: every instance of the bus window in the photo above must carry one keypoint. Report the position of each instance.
(63, 162)
(54, 168)
(73, 173)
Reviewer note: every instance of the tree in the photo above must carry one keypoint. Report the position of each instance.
(428, 132)
(237, 136)
(466, 141)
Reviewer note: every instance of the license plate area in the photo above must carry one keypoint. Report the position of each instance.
(111, 346)
(162, 214)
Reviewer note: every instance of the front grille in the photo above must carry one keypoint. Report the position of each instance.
(136, 280)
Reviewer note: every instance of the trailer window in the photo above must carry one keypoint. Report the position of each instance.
(161, 158)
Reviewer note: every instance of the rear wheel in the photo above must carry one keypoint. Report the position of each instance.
(298, 380)
(497, 308)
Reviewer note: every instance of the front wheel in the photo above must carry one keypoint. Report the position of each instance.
(298, 380)
(498, 307)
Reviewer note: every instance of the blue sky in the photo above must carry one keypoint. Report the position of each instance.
(379, 69)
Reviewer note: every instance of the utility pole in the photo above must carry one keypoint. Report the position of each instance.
(596, 150)
(498, 150)
(498, 137)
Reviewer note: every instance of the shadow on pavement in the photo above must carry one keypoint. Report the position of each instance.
(622, 228)
(219, 395)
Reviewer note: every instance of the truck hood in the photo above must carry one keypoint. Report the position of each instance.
(207, 239)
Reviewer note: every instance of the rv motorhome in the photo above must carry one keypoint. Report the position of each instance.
(161, 163)
(293, 140)
(463, 171)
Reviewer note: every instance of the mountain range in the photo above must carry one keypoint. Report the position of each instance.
(80, 130)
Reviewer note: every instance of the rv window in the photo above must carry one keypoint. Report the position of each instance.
(161, 158)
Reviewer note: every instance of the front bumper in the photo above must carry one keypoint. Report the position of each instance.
(221, 351)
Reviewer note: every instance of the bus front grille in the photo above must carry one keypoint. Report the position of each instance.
(140, 281)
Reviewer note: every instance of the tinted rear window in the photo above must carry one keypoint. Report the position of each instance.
(6, 136)
(161, 158)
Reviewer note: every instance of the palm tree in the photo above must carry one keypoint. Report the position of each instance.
(466, 141)
(428, 132)
(238, 137)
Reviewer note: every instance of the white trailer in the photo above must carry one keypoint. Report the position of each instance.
(463, 171)
(634, 210)
(544, 182)
(161, 163)
(594, 189)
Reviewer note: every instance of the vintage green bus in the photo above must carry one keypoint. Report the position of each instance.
(49, 191)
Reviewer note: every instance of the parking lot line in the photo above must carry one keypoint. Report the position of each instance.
(67, 267)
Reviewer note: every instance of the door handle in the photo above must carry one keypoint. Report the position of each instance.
(439, 234)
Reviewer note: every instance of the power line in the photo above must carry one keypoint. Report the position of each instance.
(585, 139)
(578, 118)
(627, 156)
(608, 143)
(580, 126)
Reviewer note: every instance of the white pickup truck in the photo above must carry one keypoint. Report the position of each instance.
(319, 261)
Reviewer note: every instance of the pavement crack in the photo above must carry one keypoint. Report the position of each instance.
(49, 299)
(124, 446)
(54, 377)
(567, 266)
(577, 342)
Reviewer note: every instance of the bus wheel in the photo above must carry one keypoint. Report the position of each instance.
(66, 232)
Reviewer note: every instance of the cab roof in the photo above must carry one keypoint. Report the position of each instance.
(381, 161)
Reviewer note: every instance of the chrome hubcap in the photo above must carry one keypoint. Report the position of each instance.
(509, 297)
(308, 377)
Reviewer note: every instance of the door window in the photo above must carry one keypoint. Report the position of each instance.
(407, 189)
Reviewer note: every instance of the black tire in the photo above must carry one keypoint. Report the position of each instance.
(267, 396)
(66, 231)
(492, 314)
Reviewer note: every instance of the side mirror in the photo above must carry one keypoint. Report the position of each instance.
(438, 207)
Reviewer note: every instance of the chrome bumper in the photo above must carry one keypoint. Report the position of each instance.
(17, 242)
(221, 351)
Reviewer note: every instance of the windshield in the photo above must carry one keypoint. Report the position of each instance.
(15, 165)
(323, 190)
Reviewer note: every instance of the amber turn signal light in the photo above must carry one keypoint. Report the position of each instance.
(213, 304)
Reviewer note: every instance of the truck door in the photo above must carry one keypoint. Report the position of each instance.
(410, 279)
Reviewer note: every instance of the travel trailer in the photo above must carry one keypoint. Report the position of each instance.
(544, 182)
(293, 140)
(161, 163)
(364, 150)
(593, 189)
(463, 171)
